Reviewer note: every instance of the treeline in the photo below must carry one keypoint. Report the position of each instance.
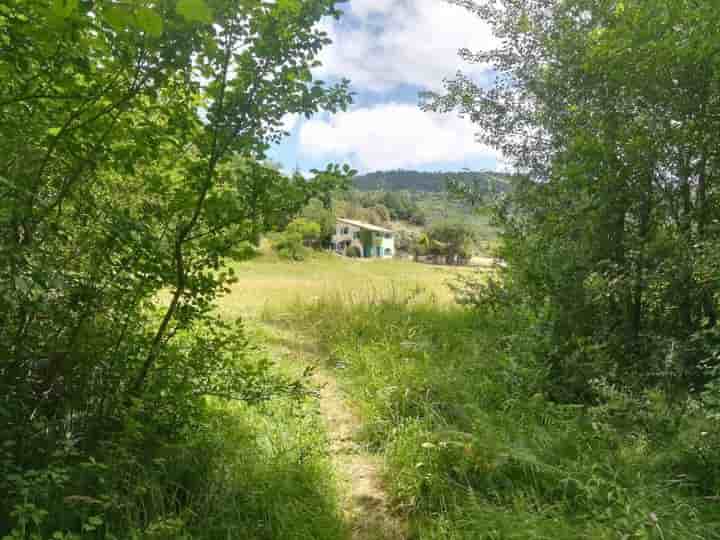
(315, 226)
(381, 207)
(446, 239)
(405, 180)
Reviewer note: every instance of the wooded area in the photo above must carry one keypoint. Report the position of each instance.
(572, 391)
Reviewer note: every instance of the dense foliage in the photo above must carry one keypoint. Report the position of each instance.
(132, 138)
(610, 110)
(447, 242)
(380, 207)
(293, 243)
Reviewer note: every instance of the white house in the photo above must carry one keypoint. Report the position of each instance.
(371, 240)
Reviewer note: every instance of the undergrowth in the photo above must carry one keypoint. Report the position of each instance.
(475, 448)
(253, 472)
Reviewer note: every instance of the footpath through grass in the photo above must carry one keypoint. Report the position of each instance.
(299, 468)
(472, 447)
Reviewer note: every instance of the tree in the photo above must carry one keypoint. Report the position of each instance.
(132, 140)
(607, 231)
(326, 218)
(300, 233)
(454, 242)
(472, 190)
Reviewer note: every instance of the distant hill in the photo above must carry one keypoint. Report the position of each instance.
(431, 182)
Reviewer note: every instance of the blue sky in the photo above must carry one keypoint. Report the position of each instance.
(391, 50)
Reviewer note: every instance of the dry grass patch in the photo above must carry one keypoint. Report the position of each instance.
(271, 284)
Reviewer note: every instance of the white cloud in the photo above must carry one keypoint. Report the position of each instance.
(386, 43)
(391, 136)
(289, 121)
(363, 8)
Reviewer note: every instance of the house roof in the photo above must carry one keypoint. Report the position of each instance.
(366, 226)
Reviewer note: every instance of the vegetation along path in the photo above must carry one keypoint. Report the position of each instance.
(365, 503)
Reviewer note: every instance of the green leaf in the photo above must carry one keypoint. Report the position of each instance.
(54, 131)
(119, 18)
(64, 8)
(149, 21)
(194, 10)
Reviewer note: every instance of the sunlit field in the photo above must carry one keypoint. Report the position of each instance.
(270, 283)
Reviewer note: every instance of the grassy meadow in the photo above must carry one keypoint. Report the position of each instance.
(453, 404)
(277, 470)
(269, 283)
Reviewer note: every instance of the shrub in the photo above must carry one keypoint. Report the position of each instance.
(353, 251)
(291, 244)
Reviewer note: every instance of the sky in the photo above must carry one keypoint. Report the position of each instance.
(391, 50)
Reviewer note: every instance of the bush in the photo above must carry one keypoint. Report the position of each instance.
(241, 473)
(291, 244)
(353, 251)
(450, 242)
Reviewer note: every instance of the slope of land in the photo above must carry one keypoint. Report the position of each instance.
(401, 180)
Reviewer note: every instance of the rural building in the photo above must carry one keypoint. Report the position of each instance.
(371, 240)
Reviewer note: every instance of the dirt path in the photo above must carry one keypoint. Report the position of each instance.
(365, 503)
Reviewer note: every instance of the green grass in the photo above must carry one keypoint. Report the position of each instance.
(275, 479)
(269, 283)
(261, 474)
(474, 450)
(454, 403)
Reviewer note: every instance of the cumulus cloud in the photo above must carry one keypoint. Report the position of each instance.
(384, 44)
(289, 121)
(363, 8)
(391, 136)
(389, 49)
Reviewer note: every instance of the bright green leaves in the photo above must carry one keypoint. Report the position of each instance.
(524, 24)
(58, 12)
(149, 21)
(289, 6)
(118, 17)
(64, 8)
(121, 18)
(194, 11)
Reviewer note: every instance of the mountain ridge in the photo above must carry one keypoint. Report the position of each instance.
(433, 182)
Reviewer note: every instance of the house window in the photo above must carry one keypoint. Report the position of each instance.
(388, 252)
(345, 230)
(388, 235)
(356, 235)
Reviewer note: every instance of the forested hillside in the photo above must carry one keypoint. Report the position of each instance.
(433, 182)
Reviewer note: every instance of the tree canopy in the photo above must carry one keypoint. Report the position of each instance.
(610, 111)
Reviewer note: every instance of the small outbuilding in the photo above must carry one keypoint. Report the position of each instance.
(371, 241)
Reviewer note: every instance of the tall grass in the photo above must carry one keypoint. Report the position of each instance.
(473, 447)
(250, 472)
